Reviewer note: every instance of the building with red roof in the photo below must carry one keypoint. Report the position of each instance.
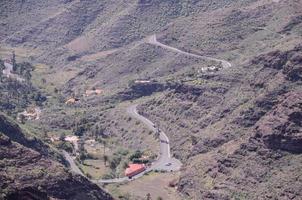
(134, 169)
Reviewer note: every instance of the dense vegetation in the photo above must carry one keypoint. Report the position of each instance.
(16, 95)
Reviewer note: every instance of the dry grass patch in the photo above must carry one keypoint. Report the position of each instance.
(95, 168)
(156, 184)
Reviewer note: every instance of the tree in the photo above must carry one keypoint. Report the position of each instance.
(44, 133)
(81, 145)
(105, 157)
(39, 98)
(43, 80)
(66, 146)
(22, 118)
(115, 161)
(95, 131)
(88, 176)
(83, 156)
(27, 75)
(62, 137)
(79, 130)
(136, 155)
(148, 196)
(98, 130)
(194, 140)
(55, 90)
(14, 61)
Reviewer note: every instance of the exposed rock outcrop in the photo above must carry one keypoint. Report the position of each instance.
(281, 128)
(26, 174)
(28, 169)
(245, 135)
(12, 130)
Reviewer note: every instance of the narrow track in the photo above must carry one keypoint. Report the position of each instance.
(153, 40)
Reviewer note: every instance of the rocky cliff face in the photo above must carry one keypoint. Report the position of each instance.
(243, 130)
(281, 127)
(25, 173)
(14, 132)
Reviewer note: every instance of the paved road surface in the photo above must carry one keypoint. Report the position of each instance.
(165, 161)
(72, 164)
(153, 40)
(165, 155)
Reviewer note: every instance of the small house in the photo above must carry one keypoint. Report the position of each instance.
(93, 92)
(71, 101)
(134, 169)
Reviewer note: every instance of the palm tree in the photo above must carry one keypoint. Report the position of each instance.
(148, 196)
(105, 157)
(14, 60)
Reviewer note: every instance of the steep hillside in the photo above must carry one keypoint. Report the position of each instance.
(27, 174)
(238, 130)
(17, 91)
(222, 78)
(109, 37)
(14, 132)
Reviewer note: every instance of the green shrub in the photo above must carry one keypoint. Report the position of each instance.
(136, 155)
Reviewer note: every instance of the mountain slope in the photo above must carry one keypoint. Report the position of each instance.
(238, 133)
(107, 31)
(236, 129)
(26, 173)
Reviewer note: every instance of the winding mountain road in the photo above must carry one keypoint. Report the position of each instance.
(164, 163)
(153, 40)
(165, 155)
(72, 164)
